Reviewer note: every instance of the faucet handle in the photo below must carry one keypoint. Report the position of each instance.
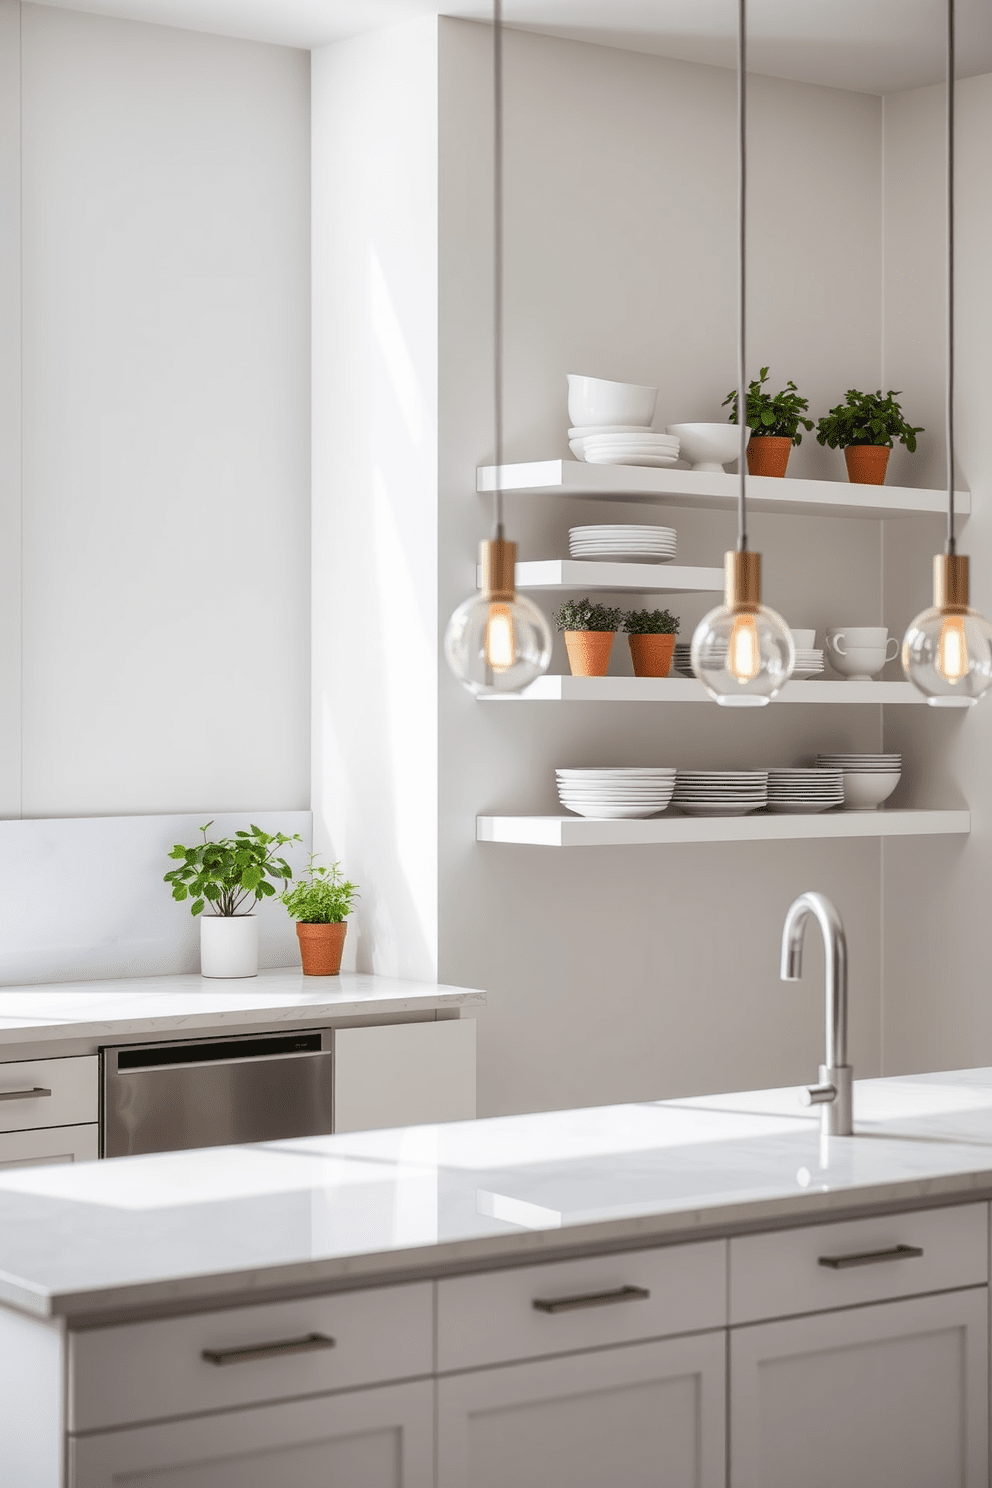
(818, 1095)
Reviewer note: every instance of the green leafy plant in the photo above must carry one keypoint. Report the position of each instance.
(228, 873)
(651, 622)
(772, 413)
(866, 418)
(582, 614)
(321, 896)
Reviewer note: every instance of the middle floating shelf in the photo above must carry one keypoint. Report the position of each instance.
(642, 578)
(557, 689)
(581, 831)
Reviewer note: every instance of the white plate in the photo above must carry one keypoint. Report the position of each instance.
(782, 808)
(616, 813)
(586, 431)
(802, 674)
(623, 557)
(729, 808)
(609, 529)
(655, 461)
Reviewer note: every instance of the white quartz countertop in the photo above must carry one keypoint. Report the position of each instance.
(91, 1013)
(211, 1227)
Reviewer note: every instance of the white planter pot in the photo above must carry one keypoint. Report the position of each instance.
(228, 945)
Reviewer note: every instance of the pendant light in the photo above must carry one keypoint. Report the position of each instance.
(497, 641)
(947, 650)
(742, 651)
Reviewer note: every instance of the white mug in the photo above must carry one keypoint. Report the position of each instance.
(865, 639)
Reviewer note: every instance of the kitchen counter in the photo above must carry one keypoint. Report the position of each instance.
(77, 1017)
(203, 1228)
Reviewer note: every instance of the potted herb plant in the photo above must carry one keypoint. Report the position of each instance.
(320, 902)
(651, 637)
(774, 419)
(865, 426)
(227, 875)
(589, 633)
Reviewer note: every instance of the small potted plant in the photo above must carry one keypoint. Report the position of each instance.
(651, 637)
(865, 426)
(228, 875)
(774, 419)
(320, 902)
(589, 633)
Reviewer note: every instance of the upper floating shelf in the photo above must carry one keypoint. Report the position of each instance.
(558, 689)
(643, 578)
(668, 487)
(580, 831)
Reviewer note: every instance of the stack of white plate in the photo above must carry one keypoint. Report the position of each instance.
(617, 794)
(627, 544)
(720, 792)
(801, 790)
(682, 660)
(808, 664)
(869, 779)
(622, 444)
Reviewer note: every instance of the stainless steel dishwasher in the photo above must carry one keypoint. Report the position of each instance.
(214, 1092)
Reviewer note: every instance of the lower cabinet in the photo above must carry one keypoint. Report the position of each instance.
(376, 1438)
(404, 1074)
(889, 1396)
(645, 1415)
(51, 1144)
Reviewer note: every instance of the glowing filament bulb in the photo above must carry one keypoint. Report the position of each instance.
(500, 640)
(953, 661)
(744, 649)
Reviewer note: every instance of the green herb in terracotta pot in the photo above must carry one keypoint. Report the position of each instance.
(589, 631)
(320, 902)
(651, 637)
(774, 420)
(865, 426)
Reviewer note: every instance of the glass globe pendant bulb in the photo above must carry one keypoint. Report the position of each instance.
(742, 652)
(947, 650)
(497, 641)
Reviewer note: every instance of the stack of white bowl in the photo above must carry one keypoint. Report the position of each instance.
(617, 794)
(869, 779)
(720, 792)
(809, 661)
(623, 544)
(611, 424)
(804, 790)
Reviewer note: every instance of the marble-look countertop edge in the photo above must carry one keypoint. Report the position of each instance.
(256, 1285)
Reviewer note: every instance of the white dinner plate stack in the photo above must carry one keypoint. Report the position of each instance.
(869, 779)
(618, 794)
(623, 544)
(682, 658)
(720, 792)
(622, 444)
(808, 664)
(804, 790)
(861, 764)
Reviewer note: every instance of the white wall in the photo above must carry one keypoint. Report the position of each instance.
(165, 231)
(375, 615)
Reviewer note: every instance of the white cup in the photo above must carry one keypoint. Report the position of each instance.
(803, 639)
(858, 663)
(857, 635)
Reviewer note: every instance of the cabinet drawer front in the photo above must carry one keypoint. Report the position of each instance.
(567, 1305)
(53, 1144)
(862, 1260)
(179, 1366)
(49, 1092)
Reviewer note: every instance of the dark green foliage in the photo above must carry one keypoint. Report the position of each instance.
(866, 418)
(650, 622)
(772, 413)
(582, 614)
(323, 897)
(229, 872)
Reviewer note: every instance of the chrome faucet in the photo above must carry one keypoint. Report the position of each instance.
(834, 1091)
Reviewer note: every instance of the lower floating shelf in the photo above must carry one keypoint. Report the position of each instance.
(557, 689)
(581, 831)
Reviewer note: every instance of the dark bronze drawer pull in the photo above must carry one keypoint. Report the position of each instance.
(35, 1094)
(871, 1257)
(309, 1343)
(591, 1299)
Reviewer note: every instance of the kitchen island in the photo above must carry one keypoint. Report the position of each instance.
(569, 1297)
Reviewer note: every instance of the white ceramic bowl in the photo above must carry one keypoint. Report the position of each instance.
(863, 792)
(593, 400)
(708, 446)
(859, 664)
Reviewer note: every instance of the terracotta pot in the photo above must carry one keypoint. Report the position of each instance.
(321, 947)
(589, 651)
(768, 454)
(866, 463)
(651, 654)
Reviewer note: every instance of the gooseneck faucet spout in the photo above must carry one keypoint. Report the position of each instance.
(834, 1092)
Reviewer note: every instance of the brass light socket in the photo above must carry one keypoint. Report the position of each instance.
(950, 581)
(498, 561)
(742, 580)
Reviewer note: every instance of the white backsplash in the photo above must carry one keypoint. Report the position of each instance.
(83, 898)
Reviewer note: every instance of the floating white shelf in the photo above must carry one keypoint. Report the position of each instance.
(579, 831)
(688, 690)
(669, 487)
(644, 578)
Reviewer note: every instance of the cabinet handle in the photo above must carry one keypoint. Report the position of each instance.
(871, 1257)
(591, 1299)
(35, 1094)
(308, 1344)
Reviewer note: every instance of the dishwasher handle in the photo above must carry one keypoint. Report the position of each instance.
(147, 1057)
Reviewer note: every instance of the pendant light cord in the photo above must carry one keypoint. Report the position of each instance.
(498, 263)
(742, 272)
(949, 416)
